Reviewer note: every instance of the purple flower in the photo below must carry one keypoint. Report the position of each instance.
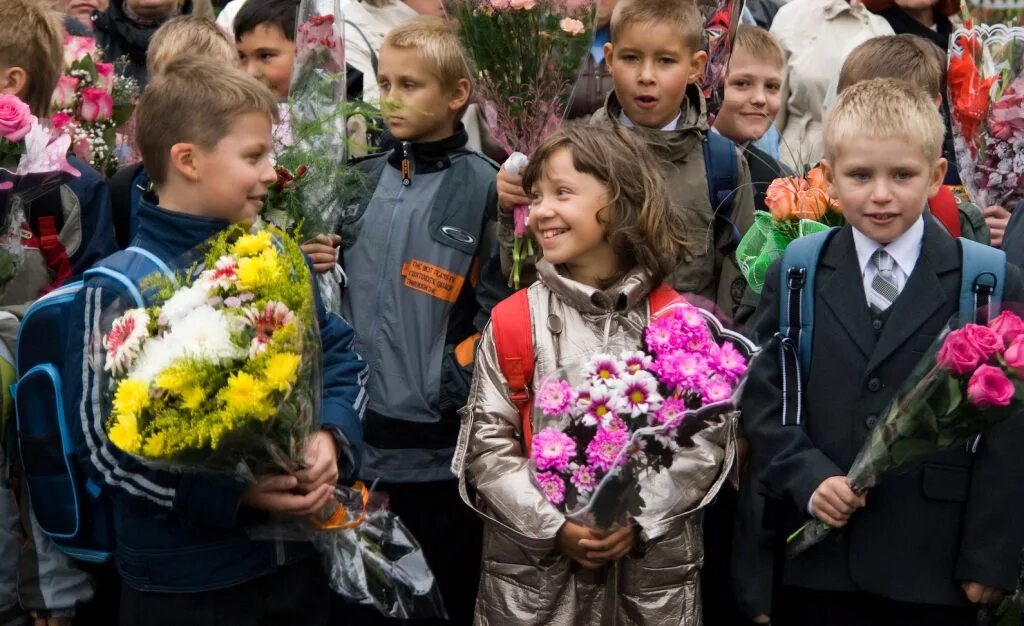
(670, 414)
(661, 336)
(553, 449)
(555, 397)
(603, 368)
(584, 478)
(682, 370)
(729, 362)
(638, 394)
(604, 448)
(691, 317)
(552, 486)
(716, 390)
(601, 407)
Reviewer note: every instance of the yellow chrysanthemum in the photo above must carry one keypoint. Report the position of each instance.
(251, 245)
(193, 397)
(245, 395)
(155, 446)
(281, 370)
(125, 434)
(131, 397)
(174, 379)
(264, 270)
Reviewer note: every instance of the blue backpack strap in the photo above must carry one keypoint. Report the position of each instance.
(796, 319)
(131, 261)
(982, 279)
(723, 176)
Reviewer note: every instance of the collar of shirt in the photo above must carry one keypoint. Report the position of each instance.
(905, 249)
(628, 123)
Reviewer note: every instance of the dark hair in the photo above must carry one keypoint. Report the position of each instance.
(641, 226)
(254, 13)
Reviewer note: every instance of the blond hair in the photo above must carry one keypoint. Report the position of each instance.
(436, 43)
(194, 100)
(188, 34)
(903, 57)
(760, 44)
(639, 223)
(681, 15)
(30, 38)
(884, 108)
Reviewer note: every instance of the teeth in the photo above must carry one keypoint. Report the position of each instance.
(548, 234)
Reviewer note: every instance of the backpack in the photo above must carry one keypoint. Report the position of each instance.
(70, 508)
(981, 287)
(945, 209)
(723, 176)
(511, 327)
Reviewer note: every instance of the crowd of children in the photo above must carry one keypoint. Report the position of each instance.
(416, 398)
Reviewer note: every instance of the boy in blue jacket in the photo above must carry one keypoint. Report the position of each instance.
(182, 546)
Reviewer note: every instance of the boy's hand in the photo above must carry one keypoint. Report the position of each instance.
(610, 546)
(979, 593)
(996, 218)
(510, 191)
(321, 454)
(570, 539)
(834, 502)
(322, 250)
(276, 494)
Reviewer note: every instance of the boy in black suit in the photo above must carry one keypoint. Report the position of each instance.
(922, 546)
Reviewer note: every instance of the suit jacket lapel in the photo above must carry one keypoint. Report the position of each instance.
(842, 290)
(923, 294)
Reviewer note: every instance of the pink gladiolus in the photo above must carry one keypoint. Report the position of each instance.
(553, 449)
(521, 214)
(572, 27)
(16, 118)
(97, 105)
(989, 387)
(1006, 119)
(105, 76)
(958, 354)
(65, 95)
(1007, 325)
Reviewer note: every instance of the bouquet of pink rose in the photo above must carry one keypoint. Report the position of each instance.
(91, 102)
(971, 379)
(629, 416)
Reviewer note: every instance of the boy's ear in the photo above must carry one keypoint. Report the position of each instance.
(829, 175)
(183, 161)
(13, 80)
(938, 101)
(460, 94)
(699, 63)
(938, 177)
(608, 50)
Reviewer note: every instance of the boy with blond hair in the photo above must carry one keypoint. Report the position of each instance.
(656, 58)
(182, 543)
(923, 546)
(418, 291)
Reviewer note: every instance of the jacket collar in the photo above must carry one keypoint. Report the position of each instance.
(902, 23)
(619, 298)
(835, 8)
(171, 235)
(431, 156)
(673, 145)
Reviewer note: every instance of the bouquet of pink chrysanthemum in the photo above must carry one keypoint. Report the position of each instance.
(630, 415)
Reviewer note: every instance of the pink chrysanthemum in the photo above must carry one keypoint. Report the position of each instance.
(670, 414)
(605, 447)
(553, 449)
(555, 397)
(272, 318)
(603, 368)
(636, 361)
(584, 479)
(125, 339)
(552, 486)
(729, 362)
(661, 336)
(691, 317)
(716, 390)
(682, 370)
(638, 394)
(612, 422)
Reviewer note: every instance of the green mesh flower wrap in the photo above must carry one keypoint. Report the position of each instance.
(766, 241)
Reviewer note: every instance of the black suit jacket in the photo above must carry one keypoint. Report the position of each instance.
(960, 516)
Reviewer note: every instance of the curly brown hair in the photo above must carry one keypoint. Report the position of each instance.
(639, 223)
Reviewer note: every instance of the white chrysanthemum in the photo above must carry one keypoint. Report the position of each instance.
(182, 303)
(637, 394)
(205, 333)
(157, 355)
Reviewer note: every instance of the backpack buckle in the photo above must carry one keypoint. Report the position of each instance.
(795, 277)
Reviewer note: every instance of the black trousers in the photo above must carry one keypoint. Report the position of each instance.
(295, 594)
(451, 536)
(806, 607)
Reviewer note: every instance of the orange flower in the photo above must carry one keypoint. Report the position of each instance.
(812, 204)
(781, 197)
(816, 179)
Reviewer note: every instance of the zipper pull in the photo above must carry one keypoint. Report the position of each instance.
(406, 165)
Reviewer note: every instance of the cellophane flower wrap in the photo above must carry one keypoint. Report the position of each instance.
(220, 373)
(33, 161)
(971, 379)
(721, 17)
(620, 418)
(986, 99)
(92, 101)
(800, 206)
(527, 55)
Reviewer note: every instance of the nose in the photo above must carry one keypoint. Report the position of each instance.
(540, 210)
(267, 174)
(758, 97)
(881, 193)
(250, 67)
(647, 72)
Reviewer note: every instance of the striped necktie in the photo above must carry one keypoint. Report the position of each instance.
(883, 290)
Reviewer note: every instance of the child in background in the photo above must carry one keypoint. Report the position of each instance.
(601, 213)
(922, 64)
(31, 62)
(922, 546)
(182, 35)
(182, 544)
(418, 293)
(655, 57)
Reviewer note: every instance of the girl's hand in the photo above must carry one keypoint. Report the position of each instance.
(510, 191)
(996, 218)
(322, 250)
(570, 539)
(610, 546)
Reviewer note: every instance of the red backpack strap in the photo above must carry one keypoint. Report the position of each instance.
(945, 209)
(513, 341)
(664, 297)
(54, 253)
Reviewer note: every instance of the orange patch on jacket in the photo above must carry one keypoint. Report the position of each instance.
(432, 280)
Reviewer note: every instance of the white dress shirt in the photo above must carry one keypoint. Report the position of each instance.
(904, 250)
(628, 123)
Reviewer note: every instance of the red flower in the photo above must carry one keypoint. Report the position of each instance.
(969, 92)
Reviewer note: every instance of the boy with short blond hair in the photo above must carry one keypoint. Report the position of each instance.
(415, 248)
(920, 547)
(188, 34)
(182, 541)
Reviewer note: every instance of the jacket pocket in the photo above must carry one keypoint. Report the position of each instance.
(948, 483)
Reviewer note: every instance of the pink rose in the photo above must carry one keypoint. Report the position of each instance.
(105, 76)
(989, 387)
(499, 5)
(984, 339)
(524, 5)
(571, 26)
(1014, 355)
(76, 48)
(62, 121)
(958, 354)
(1007, 325)
(16, 118)
(97, 105)
(65, 94)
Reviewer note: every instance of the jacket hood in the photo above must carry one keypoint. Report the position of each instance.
(673, 145)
